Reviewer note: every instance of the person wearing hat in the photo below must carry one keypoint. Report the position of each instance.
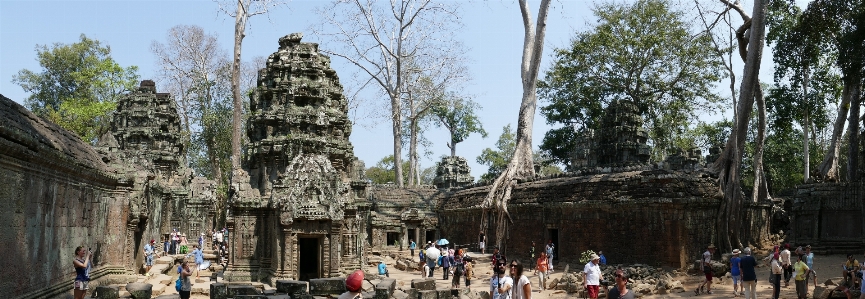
(148, 256)
(353, 285)
(735, 272)
(621, 291)
(748, 265)
(706, 263)
(593, 276)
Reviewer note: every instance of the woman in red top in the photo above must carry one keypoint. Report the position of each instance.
(541, 270)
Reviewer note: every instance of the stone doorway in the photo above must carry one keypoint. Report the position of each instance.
(412, 237)
(554, 235)
(309, 258)
(431, 236)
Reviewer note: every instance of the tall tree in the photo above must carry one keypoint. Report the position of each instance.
(390, 43)
(751, 38)
(497, 159)
(382, 172)
(78, 86)
(521, 164)
(244, 10)
(457, 115)
(645, 53)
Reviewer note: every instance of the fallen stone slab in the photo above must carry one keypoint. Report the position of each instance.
(235, 290)
(326, 286)
(410, 293)
(423, 284)
(384, 289)
(427, 294)
(443, 294)
(158, 289)
(106, 292)
(278, 297)
(202, 288)
(164, 260)
(172, 296)
(218, 290)
(250, 297)
(140, 290)
(294, 288)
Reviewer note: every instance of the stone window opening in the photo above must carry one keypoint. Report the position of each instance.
(392, 238)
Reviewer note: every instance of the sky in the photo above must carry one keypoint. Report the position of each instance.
(492, 32)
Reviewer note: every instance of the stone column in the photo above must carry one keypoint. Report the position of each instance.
(335, 240)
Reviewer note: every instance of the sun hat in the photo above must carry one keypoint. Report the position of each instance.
(354, 282)
(595, 257)
(711, 246)
(736, 251)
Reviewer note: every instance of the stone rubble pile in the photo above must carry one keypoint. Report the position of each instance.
(643, 280)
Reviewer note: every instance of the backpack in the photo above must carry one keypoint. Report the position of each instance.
(439, 261)
(460, 269)
(178, 284)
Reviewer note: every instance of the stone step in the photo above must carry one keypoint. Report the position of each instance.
(158, 289)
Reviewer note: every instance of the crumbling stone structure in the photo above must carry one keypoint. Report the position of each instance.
(452, 172)
(62, 193)
(296, 207)
(622, 140)
(828, 216)
(399, 215)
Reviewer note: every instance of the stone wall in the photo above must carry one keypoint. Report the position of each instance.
(58, 194)
(828, 215)
(408, 211)
(657, 217)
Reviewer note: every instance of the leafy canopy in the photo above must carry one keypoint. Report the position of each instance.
(645, 52)
(457, 115)
(497, 160)
(78, 86)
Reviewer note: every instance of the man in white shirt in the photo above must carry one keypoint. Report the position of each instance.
(593, 277)
(501, 284)
(786, 264)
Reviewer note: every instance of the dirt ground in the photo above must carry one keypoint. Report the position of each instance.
(826, 266)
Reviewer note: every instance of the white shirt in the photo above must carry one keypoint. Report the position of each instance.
(517, 292)
(593, 274)
(506, 281)
(785, 257)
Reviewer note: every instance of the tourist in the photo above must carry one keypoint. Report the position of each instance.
(851, 266)
(148, 256)
(620, 290)
(809, 260)
(432, 256)
(501, 284)
(541, 269)
(382, 269)
(603, 258)
(482, 242)
(593, 276)
(353, 286)
(166, 246)
(459, 270)
(426, 270)
(748, 265)
(175, 239)
(801, 270)
(185, 283)
(497, 256)
(706, 264)
(523, 288)
(184, 244)
(411, 247)
(777, 270)
(82, 263)
(735, 272)
(447, 261)
(532, 253)
(860, 273)
(199, 259)
(549, 249)
(470, 270)
(787, 264)
(201, 241)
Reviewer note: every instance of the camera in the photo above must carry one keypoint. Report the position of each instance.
(605, 283)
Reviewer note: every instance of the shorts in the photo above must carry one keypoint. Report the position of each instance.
(468, 282)
(708, 275)
(592, 291)
(737, 279)
(80, 285)
(811, 275)
(481, 245)
(148, 260)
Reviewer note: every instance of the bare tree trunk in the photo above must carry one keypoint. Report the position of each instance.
(806, 126)
(237, 115)
(853, 133)
(521, 165)
(761, 190)
(412, 152)
(729, 217)
(829, 167)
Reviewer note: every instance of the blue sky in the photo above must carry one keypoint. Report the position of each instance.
(492, 32)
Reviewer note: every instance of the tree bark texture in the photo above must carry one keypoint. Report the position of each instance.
(729, 217)
(237, 113)
(761, 188)
(828, 168)
(853, 133)
(521, 164)
(806, 126)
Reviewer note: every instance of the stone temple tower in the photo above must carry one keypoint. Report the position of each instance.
(295, 215)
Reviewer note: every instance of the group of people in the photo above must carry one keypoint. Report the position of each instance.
(454, 262)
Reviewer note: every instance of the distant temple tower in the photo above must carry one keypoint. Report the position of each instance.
(622, 139)
(295, 216)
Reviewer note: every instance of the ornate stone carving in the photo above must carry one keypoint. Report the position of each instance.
(453, 172)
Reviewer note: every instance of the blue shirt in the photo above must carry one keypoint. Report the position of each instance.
(734, 266)
(412, 246)
(748, 264)
(809, 260)
(382, 268)
(603, 260)
(148, 249)
(199, 256)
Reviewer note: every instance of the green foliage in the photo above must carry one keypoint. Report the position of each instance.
(497, 160)
(457, 115)
(78, 86)
(646, 53)
(383, 172)
(706, 136)
(586, 256)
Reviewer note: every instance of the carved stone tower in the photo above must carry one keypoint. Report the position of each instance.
(297, 217)
(452, 172)
(622, 139)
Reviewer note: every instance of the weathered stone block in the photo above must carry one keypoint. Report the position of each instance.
(427, 294)
(384, 289)
(294, 288)
(250, 297)
(411, 293)
(172, 296)
(278, 297)
(218, 290)
(235, 290)
(140, 290)
(106, 292)
(326, 286)
(423, 284)
(443, 294)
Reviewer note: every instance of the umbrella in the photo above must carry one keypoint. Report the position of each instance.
(443, 242)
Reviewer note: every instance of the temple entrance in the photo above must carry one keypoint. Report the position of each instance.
(554, 235)
(431, 236)
(308, 262)
(412, 237)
